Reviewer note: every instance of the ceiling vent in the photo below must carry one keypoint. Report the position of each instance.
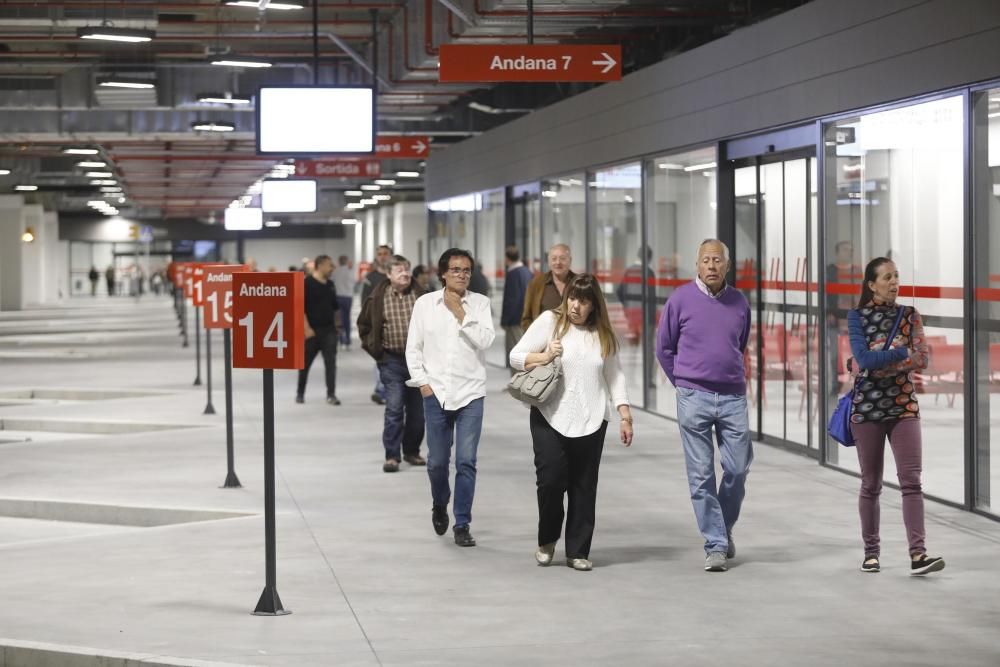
(131, 90)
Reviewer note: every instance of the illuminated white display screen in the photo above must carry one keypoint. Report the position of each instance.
(288, 196)
(244, 219)
(315, 120)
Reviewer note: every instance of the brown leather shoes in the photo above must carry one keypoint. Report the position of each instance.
(415, 459)
(390, 465)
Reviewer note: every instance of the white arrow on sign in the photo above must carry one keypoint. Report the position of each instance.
(420, 146)
(608, 63)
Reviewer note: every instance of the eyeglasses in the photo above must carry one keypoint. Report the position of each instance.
(456, 271)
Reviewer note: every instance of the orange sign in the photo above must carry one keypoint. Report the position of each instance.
(187, 270)
(475, 63)
(198, 286)
(269, 315)
(402, 147)
(218, 286)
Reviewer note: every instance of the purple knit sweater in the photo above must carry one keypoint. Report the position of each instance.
(700, 340)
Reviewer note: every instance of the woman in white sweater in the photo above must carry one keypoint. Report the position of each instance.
(568, 430)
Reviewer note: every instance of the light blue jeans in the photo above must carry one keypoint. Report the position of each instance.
(716, 509)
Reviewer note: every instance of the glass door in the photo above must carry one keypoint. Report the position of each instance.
(775, 239)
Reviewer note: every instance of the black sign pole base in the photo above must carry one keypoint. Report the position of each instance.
(209, 408)
(197, 346)
(269, 603)
(232, 481)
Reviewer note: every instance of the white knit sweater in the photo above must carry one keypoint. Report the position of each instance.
(580, 403)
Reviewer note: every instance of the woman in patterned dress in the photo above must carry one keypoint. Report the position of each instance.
(885, 406)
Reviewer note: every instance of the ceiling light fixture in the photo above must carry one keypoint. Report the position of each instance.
(253, 4)
(349, 221)
(92, 165)
(212, 126)
(110, 33)
(115, 81)
(29, 235)
(353, 193)
(273, 223)
(699, 167)
(98, 174)
(220, 98)
(25, 188)
(355, 206)
(80, 151)
(104, 181)
(369, 202)
(382, 197)
(384, 181)
(240, 61)
(408, 174)
(371, 187)
(493, 110)
(4, 172)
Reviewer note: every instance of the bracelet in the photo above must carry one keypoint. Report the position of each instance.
(627, 419)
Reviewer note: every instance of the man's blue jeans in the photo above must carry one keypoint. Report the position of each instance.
(344, 310)
(404, 409)
(697, 413)
(462, 427)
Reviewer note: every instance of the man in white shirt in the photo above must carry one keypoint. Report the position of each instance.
(343, 280)
(450, 331)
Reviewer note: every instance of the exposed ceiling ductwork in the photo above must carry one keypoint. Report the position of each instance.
(138, 102)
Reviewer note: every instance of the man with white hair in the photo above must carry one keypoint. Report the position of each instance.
(700, 343)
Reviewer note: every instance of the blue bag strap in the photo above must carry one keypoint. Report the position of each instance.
(895, 328)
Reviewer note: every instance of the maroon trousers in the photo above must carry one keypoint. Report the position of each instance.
(904, 438)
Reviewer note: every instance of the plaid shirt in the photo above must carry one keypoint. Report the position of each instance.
(398, 308)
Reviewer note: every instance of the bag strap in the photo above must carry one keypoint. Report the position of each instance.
(895, 328)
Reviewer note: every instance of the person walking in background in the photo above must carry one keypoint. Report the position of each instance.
(450, 331)
(840, 272)
(377, 275)
(94, 278)
(515, 286)
(343, 281)
(568, 430)
(383, 326)
(479, 283)
(885, 406)
(422, 277)
(109, 278)
(545, 291)
(320, 328)
(700, 343)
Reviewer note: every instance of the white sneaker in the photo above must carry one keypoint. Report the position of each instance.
(545, 553)
(716, 562)
(581, 564)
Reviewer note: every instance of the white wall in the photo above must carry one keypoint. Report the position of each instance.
(11, 228)
(282, 253)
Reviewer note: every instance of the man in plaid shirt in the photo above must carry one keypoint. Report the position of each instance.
(382, 326)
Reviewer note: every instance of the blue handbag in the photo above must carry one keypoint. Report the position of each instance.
(839, 427)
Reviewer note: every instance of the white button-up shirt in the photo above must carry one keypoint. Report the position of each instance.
(448, 355)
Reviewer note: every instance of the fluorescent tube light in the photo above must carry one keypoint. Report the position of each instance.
(371, 187)
(80, 151)
(240, 61)
(355, 206)
(4, 172)
(218, 98)
(699, 167)
(25, 188)
(110, 189)
(408, 174)
(98, 174)
(349, 221)
(252, 4)
(993, 115)
(212, 126)
(273, 223)
(549, 193)
(111, 34)
(104, 181)
(382, 197)
(124, 82)
(92, 165)
(348, 193)
(369, 202)
(670, 165)
(384, 181)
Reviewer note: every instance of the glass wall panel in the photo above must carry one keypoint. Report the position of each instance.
(680, 214)
(564, 217)
(986, 194)
(616, 215)
(894, 188)
(526, 213)
(746, 202)
(489, 253)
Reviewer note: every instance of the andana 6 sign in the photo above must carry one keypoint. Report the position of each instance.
(268, 314)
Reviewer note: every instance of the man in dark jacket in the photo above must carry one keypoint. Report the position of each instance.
(378, 274)
(382, 326)
(320, 328)
(514, 287)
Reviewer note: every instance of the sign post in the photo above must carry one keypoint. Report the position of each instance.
(269, 312)
(218, 282)
(179, 302)
(198, 299)
(478, 63)
(189, 293)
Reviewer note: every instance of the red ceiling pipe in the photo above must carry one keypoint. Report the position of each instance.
(614, 13)
(174, 38)
(429, 28)
(220, 157)
(191, 5)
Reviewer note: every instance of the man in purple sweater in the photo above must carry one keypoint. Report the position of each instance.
(700, 341)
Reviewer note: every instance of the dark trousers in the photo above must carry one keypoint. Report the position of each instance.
(566, 465)
(324, 341)
(344, 311)
(404, 409)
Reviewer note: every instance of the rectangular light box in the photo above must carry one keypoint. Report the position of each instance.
(315, 120)
(244, 219)
(288, 196)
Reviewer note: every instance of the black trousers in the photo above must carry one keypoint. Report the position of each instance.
(324, 341)
(566, 466)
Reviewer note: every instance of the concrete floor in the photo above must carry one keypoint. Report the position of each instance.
(359, 565)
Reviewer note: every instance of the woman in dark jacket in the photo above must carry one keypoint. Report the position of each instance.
(885, 405)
